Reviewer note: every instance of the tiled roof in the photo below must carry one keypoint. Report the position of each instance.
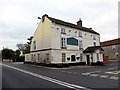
(92, 49)
(71, 25)
(110, 42)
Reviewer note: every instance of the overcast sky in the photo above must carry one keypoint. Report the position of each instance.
(18, 18)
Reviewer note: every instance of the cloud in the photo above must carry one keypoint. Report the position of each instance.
(18, 18)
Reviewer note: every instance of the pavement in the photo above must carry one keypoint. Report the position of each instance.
(19, 75)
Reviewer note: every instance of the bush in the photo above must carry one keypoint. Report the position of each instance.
(99, 63)
(20, 59)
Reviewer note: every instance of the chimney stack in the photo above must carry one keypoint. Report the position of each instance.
(79, 23)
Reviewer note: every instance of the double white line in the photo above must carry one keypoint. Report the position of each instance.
(72, 86)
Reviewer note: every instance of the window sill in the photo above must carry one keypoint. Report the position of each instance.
(63, 33)
(63, 47)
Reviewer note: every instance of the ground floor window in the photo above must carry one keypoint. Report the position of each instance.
(32, 57)
(38, 56)
(97, 56)
(63, 57)
(47, 56)
(81, 57)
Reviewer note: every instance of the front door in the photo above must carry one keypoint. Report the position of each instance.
(88, 59)
(72, 57)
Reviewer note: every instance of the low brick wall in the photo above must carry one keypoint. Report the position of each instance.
(105, 59)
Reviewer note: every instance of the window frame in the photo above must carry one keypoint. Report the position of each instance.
(63, 57)
(63, 31)
(80, 44)
(80, 34)
(81, 57)
(63, 42)
(34, 45)
(94, 37)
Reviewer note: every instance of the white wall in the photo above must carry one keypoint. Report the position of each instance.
(42, 35)
(27, 57)
(87, 37)
(100, 56)
(57, 56)
(48, 36)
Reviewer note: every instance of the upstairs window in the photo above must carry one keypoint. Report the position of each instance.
(63, 30)
(80, 44)
(63, 43)
(34, 45)
(72, 41)
(80, 34)
(94, 37)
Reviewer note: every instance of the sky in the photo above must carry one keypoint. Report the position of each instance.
(18, 18)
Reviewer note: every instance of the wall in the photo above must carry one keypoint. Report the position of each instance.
(57, 56)
(48, 35)
(28, 57)
(100, 56)
(111, 51)
(42, 35)
(87, 37)
(40, 57)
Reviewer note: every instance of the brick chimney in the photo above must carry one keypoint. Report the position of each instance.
(79, 23)
(43, 17)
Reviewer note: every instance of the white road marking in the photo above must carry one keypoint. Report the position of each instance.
(94, 75)
(115, 78)
(94, 71)
(69, 72)
(112, 68)
(113, 72)
(77, 87)
(85, 73)
(18, 63)
(90, 72)
(103, 76)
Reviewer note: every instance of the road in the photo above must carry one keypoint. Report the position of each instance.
(18, 75)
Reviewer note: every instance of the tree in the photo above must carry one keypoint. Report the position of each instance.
(8, 54)
(24, 48)
(18, 58)
(21, 47)
(17, 53)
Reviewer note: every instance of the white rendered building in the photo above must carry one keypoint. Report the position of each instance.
(59, 42)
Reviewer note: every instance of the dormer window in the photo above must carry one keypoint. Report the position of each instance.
(63, 30)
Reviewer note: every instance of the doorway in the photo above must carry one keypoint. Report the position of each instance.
(72, 57)
(88, 59)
